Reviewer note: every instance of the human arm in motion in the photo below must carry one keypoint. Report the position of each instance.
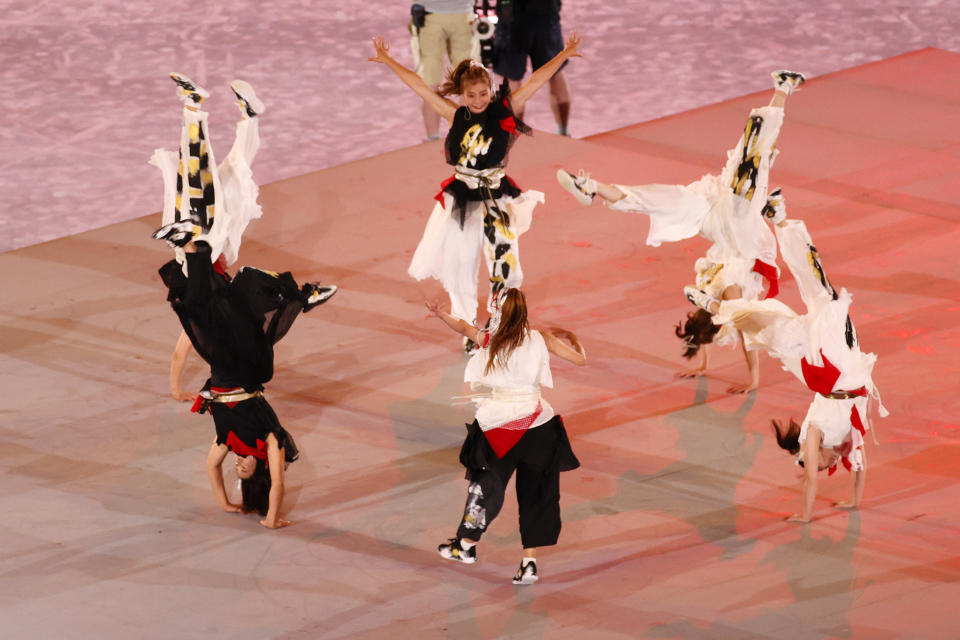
(539, 77)
(573, 352)
(460, 326)
(276, 464)
(446, 108)
(215, 473)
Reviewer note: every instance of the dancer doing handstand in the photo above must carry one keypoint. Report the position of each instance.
(725, 209)
(822, 350)
(233, 325)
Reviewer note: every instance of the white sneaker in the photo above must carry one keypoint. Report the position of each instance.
(451, 550)
(315, 294)
(187, 90)
(526, 574)
(582, 186)
(699, 297)
(787, 81)
(247, 98)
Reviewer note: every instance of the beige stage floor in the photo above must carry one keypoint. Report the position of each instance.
(673, 525)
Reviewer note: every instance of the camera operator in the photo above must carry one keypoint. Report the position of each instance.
(444, 27)
(531, 28)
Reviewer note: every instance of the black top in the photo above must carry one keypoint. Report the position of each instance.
(233, 324)
(482, 141)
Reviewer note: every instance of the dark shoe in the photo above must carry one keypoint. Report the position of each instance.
(526, 574)
(249, 102)
(452, 550)
(187, 90)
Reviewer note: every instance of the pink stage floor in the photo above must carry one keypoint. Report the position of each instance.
(674, 524)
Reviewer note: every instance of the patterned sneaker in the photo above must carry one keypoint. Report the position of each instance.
(187, 90)
(526, 574)
(699, 297)
(582, 186)
(178, 234)
(787, 81)
(247, 99)
(775, 211)
(314, 294)
(453, 551)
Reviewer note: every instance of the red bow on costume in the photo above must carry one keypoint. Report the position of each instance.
(820, 379)
(509, 125)
(443, 186)
(241, 448)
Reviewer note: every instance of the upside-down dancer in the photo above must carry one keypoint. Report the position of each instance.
(725, 209)
(233, 325)
(822, 350)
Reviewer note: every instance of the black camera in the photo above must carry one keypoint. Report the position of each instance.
(484, 28)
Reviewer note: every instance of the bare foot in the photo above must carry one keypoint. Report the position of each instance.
(797, 518)
(741, 388)
(279, 523)
(692, 373)
(845, 505)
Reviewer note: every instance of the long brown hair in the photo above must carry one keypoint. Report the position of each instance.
(512, 330)
(463, 75)
(788, 437)
(697, 330)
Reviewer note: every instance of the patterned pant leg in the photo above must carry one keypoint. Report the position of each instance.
(196, 183)
(502, 255)
(484, 500)
(748, 167)
(803, 260)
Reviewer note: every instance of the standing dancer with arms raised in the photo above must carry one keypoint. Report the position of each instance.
(479, 208)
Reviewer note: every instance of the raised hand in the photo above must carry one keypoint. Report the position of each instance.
(573, 44)
(433, 307)
(382, 47)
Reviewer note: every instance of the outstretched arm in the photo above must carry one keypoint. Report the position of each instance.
(462, 327)
(215, 473)
(276, 462)
(574, 352)
(438, 103)
(539, 77)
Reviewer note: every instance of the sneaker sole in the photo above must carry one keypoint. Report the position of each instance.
(566, 181)
(244, 91)
(458, 559)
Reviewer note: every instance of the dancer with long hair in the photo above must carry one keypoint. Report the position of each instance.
(725, 209)
(515, 429)
(232, 323)
(822, 350)
(479, 208)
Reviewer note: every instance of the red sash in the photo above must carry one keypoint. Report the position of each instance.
(504, 437)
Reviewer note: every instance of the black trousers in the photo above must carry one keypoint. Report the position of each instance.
(538, 457)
